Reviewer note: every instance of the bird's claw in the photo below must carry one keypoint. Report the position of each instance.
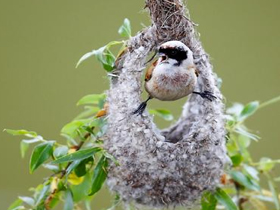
(140, 109)
(206, 94)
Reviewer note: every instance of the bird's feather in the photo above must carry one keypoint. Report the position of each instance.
(150, 70)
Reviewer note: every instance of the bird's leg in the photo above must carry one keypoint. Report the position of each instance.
(141, 107)
(206, 94)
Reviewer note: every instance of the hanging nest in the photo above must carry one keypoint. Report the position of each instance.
(175, 166)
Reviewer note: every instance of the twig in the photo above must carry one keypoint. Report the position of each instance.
(63, 172)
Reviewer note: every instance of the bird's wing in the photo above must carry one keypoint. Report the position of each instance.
(195, 70)
(150, 70)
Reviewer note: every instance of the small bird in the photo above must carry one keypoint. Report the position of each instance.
(172, 76)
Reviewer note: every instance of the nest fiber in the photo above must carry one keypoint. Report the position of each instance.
(175, 166)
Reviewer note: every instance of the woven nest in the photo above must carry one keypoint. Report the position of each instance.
(175, 166)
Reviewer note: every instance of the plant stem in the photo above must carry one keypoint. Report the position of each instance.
(63, 172)
(269, 102)
(273, 190)
(270, 161)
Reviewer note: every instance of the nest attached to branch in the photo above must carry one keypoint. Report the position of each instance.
(153, 171)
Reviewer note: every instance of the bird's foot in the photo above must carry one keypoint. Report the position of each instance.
(141, 108)
(206, 94)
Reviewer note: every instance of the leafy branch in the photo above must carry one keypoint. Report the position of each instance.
(71, 165)
(242, 181)
(79, 166)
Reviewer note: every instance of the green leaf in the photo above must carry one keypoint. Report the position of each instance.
(42, 206)
(80, 192)
(21, 132)
(54, 202)
(165, 114)
(61, 186)
(72, 166)
(28, 200)
(103, 55)
(251, 171)
(266, 164)
(51, 167)
(42, 194)
(230, 123)
(72, 127)
(245, 180)
(87, 203)
(232, 146)
(236, 160)
(248, 110)
(40, 154)
(91, 99)
(274, 194)
(24, 144)
(88, 112)
(85, 57)
(235, 109)
(89, 129)
(106, 57)
(69, 203)
(60, 151)
(125, 29)
(208, 201)
(78, 155)
(23, 148)
(243, 141)
(99, 175)
(108, 61)
(17, 203)
(111, 157)
(242, 130)
(263, 198)
(81, 169)
(224, 199)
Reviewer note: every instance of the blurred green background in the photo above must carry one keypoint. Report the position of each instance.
(41, 41)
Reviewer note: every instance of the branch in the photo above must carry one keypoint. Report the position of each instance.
(152, 170)
(62, 173)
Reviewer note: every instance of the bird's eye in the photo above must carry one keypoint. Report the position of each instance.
(173, 52)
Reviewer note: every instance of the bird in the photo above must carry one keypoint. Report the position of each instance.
(172, 76)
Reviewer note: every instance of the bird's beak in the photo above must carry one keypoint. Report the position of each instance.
(162, 57)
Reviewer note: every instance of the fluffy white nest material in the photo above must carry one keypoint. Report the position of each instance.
(153, 171)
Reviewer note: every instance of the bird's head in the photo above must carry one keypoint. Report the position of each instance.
(175, 53)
